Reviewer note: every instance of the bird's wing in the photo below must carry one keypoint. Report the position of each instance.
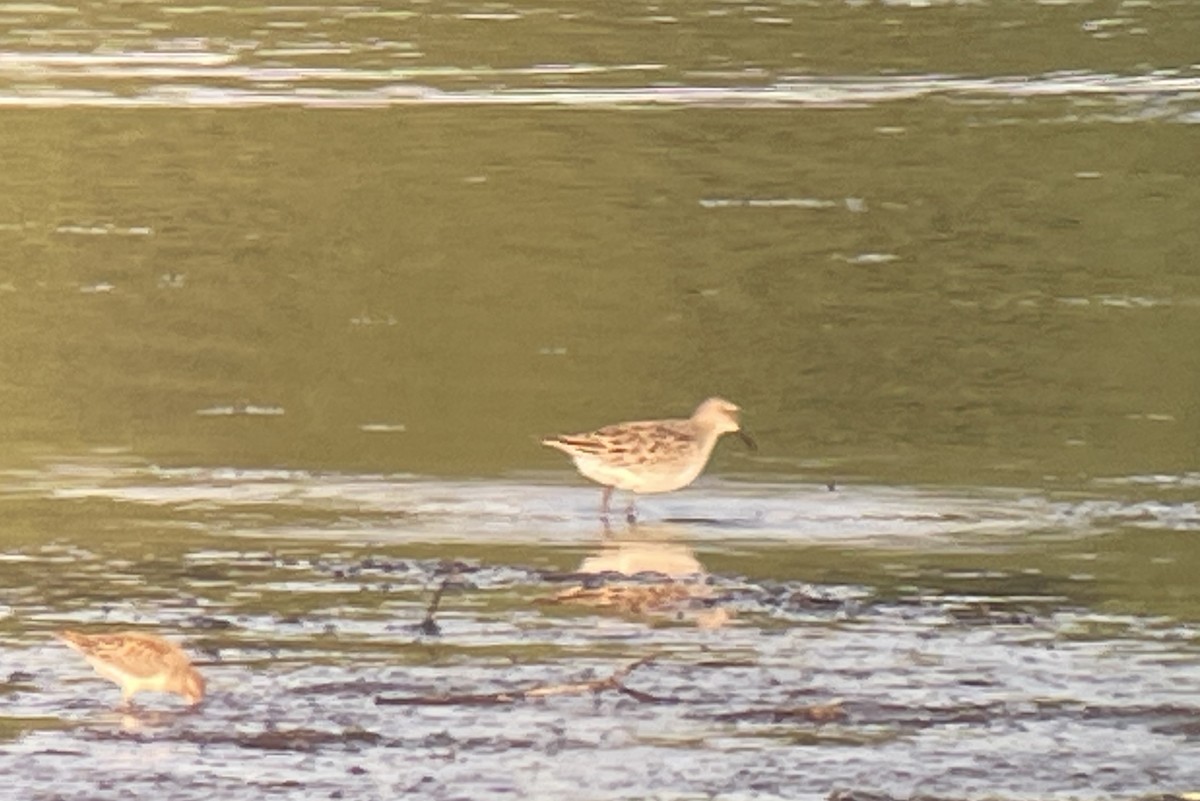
(626, 444)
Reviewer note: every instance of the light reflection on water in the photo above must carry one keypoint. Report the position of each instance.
(1138, 97)
(708, 54)
(383, 507)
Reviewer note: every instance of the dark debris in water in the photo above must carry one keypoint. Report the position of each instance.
(815, 713)
(615, 681)
(351, 655)
(867, 795)
(872, 795)
(437, 578)
(271, 739)
(298, 739)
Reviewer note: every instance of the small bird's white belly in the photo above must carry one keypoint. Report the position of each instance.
(644, 479)
(130, 682)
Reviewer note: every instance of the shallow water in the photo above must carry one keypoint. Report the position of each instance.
(971, 644)
(288, 294)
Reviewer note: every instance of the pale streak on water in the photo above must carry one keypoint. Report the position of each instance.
(539, 508)
(282, 56)
(1135, 97)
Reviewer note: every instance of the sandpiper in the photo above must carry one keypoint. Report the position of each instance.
(138, 662)
(651, 455)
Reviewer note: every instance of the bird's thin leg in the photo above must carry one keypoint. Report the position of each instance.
(604, 503)
(631, 512)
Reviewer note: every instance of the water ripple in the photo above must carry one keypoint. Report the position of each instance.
(175, 79)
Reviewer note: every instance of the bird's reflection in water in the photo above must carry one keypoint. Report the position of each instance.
(649, 573)
(645, 549)
(134, 719)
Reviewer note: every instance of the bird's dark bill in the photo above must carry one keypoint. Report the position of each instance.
(749, 440)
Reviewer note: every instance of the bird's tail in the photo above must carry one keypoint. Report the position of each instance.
(572, 445)
(75, 639)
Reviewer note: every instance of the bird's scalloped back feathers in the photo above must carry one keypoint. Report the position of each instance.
(626, 444)
(650, 442)
(138, 654)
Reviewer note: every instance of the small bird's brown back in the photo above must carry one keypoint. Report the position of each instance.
(652, 442)
(630, 443)
(133, 652)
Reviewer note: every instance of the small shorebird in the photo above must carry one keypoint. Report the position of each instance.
(138, 662)
(651, 455)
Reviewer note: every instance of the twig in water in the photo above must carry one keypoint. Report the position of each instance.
(429, 626)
